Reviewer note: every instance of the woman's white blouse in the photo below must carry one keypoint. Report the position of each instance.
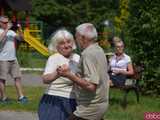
(61, 86)
(121, 63)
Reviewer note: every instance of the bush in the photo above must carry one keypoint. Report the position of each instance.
(144, 32)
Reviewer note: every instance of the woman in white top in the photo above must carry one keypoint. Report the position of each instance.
(59, 98)
(120, 65)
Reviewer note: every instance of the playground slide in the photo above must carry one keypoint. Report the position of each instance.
(35, 43)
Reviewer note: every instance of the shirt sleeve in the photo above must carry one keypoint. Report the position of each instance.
(51, 65)
(90, 71)
(1, 31)
(129, 60)
(11, 33)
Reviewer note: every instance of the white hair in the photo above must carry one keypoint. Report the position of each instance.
(88, 30)
(3, 18)
(59, 36)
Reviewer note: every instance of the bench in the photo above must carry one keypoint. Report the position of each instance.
(131, 84)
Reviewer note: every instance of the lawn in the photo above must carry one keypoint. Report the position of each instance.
(134, 110)
(31, 59)
(33, 94)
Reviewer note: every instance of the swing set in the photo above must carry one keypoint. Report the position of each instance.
(24, 5)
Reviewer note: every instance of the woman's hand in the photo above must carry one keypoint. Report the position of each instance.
(63, 70)
(123, 72)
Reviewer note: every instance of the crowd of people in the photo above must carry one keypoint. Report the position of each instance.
(78, 85)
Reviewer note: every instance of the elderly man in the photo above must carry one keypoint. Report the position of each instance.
(92, 82)
(8, 60)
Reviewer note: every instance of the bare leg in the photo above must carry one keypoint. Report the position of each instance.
(18, 86)
(2, 89)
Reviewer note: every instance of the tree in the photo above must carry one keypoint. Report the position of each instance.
(121, 19)
(70, 13)
(144, 31)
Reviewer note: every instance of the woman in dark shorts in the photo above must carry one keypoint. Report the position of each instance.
(120, 65)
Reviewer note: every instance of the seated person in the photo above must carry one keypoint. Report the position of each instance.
(120, 65)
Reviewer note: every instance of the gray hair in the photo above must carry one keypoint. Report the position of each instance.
(59, 36)
(118, 40)
(3, 18)
(88, 30)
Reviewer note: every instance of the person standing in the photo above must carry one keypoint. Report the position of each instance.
(8, 60)
(58, 101)
(92, 83)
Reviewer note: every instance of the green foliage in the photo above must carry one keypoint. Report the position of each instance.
(31, 59)
(122, 17)
(144, 32)
(70, 13)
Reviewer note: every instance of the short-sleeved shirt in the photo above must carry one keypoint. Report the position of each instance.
(120, 63)
(8, 51)
(93, 63)
(61, 86)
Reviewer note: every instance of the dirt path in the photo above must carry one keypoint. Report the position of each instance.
(28, 80)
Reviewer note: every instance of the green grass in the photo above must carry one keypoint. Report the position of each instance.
(134, 110)
(33, 93)
(31, 59)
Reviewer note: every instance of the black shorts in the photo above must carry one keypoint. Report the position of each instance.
(118, 80)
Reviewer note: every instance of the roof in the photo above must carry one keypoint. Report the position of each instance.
(18, 5)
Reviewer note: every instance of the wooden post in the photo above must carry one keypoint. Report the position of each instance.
(14, 16)
(27, 19)
(1, 10)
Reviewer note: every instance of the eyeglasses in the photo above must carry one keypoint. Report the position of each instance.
(3, 22)
(119, 46)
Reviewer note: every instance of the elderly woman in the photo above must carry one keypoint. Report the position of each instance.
(59, 98)
(120, 65)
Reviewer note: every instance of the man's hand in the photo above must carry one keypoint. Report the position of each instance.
(66, 72)
(19, 27)
(9, 25)
(63, 70)
(20, 35)
(3, 35)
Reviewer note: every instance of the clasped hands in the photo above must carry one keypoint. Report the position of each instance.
(63, 70)
(119, 72)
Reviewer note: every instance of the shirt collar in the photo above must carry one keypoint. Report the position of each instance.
(90, 46)
(119, 57)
